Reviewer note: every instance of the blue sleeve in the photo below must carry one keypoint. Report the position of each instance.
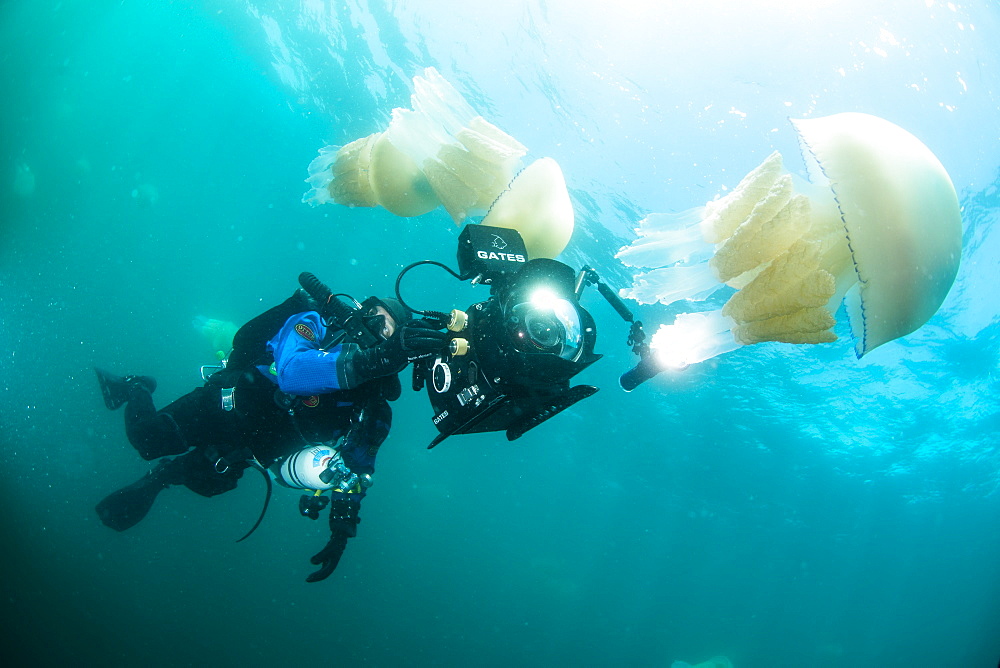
(302, 369)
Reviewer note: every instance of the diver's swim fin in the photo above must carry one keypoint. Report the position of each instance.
(115, 389)
(126, 507)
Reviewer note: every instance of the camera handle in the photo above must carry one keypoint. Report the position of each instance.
(636, 336)
(646, 368)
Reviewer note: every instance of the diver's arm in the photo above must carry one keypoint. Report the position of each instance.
(300, 366)
(369, 431)
(303, 369)
(358, 450)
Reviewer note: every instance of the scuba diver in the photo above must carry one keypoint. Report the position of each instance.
(304, 394)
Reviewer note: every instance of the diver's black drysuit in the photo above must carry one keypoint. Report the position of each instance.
(216, 444)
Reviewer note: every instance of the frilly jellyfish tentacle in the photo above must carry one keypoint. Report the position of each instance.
(726, 214)
(670, 284)
(467, 160)
(397, 183)
(666, 239)
(341, 174)
(435, 98)
(320, 175)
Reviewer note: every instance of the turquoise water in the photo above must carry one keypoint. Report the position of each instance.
(782, 506)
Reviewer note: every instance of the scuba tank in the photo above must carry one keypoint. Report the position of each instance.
(318, 467)
(301, 470)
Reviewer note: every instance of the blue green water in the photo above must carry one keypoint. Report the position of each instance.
(783, 506)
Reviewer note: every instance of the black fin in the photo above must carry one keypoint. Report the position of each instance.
(124, 509)
(116, 389)
(113, 388)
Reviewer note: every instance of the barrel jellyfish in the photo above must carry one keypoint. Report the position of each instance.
(877, 227)
(441, 152)
(218, 333)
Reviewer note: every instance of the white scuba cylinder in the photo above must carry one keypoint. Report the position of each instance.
(302, 469)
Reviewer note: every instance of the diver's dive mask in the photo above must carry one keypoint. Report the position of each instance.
(376, 322)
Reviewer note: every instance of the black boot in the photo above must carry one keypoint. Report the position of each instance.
(116, 389)
(125, 508)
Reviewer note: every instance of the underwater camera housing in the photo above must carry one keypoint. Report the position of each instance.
(511, 357)
(349, 318)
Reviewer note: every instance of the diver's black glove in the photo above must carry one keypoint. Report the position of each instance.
(329, 557)
(413, 341)
(343, 525)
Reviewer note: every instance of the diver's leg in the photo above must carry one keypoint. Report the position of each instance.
(196, 420)
(153, 433)
(125, 507)
(209, 478)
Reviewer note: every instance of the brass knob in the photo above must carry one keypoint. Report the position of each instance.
(459, 319)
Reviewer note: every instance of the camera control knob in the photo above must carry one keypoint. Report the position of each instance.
(459, 319)
(458, 346)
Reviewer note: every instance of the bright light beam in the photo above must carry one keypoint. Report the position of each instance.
(693, 338)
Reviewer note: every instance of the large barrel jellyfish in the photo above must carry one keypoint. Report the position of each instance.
(877, 227)
(442, 153)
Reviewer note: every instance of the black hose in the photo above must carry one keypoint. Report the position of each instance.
(430, 314)
(316, 288)
(267, 495)
(330, 305)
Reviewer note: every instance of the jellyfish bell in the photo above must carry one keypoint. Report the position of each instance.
(877, 228)
(397, 183)
(537, 205)
(901, 216)
(218, 333)
(466, 159)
